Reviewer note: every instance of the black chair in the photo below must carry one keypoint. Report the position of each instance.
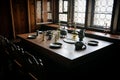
(31, 65)
(22, 62)
(2, 44)
(6, 61)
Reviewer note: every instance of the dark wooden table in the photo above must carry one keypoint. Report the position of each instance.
(65, 55)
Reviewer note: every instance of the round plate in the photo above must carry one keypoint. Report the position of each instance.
(93, 43)
(71, 41)
(31, 36)
(55, 45)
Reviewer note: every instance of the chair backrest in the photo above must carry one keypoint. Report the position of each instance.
(29, 62)
(2, 43)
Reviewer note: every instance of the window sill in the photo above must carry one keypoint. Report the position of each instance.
(95, 34)
(42, 23)
(103, 36)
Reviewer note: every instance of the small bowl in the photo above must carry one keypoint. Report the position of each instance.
(70, 30)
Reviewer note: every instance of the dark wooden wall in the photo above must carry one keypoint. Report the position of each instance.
(16, 17)
(31, 15)
(119, 21)
(19, 16)
(5, 19)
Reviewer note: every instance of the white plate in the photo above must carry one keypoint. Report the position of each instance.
(71, 41)
(55, 45)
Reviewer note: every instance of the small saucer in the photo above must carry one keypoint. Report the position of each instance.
(93, 43)
(70, 41)
(55, 45)
(31, 36)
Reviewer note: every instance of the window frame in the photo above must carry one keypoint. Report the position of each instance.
(80, 24)
(98, 27)
(63, 12)
(43, 12)
(50, 20)
(90, 7)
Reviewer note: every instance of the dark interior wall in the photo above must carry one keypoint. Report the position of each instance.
(5, 19)
(32, 15)
(23, 16)
(16, 17)
(20, 16)
(118, 22)
(20, 19)
(55, 10)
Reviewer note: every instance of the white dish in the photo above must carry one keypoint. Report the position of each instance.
(71, 41)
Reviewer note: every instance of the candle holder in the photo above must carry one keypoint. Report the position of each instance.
(43, 36)
(106, 28)
(81, 34)
(74, 36)
(63, 32)
(74, 32)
